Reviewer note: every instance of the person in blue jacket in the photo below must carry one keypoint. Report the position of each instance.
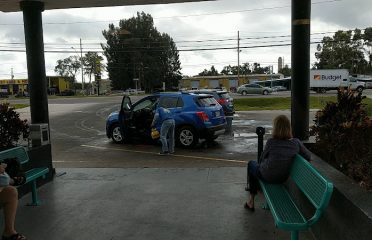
(163, 117)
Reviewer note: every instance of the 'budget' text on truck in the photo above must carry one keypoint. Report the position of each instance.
(322, 80)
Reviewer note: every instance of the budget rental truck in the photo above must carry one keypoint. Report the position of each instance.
(322, 80)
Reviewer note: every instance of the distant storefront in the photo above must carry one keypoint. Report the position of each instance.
(229, 82)
(55, 85)
(14, 86)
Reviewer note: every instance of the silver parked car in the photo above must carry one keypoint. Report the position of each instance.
(253, 89)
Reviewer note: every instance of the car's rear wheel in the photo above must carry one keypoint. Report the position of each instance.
(187, 137)
(116, 134)
(265, 92)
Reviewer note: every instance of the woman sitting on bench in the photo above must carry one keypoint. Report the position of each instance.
(9, 203)
(275, 162)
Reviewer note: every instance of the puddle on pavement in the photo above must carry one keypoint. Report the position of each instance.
(250, 135)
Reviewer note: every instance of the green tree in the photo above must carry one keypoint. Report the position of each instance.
(344, 50)
(68, 67)
(212, 72)
(286, 71)
(12, 128)
(257, 69)
(367, 37)
(233, 70)
(137, 50)
(227, 70)
(93, 65)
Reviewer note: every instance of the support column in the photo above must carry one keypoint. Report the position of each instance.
(35, 60)
(40, 156)
(301, 13)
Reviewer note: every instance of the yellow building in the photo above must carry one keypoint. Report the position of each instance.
(229, 82)
(14, 86)
(56, 84)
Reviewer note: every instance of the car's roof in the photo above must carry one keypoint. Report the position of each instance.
(167, 93)
(160, 94)
(208, 91)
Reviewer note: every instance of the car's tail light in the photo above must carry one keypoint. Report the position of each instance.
(203, 116)
(222, 101)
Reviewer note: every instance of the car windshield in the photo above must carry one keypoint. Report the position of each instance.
(148, 103)
(206, 101)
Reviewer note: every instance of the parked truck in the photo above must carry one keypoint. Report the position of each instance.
(322, 80)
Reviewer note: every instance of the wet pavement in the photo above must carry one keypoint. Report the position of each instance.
(104, 190)
(147, 203)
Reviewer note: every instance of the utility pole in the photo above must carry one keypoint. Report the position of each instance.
(11, 74)
(82, 66)
(238, 57)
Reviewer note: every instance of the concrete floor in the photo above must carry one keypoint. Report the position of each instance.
(146, 203)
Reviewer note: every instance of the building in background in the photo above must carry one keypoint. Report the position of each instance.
(20, 87)
(101, 87)
(14, 86)
(280, 63)
(228, 82)
(58, 84)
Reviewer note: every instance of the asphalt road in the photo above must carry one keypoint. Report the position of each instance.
(79, 140)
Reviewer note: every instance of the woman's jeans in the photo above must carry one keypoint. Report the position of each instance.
(253, 175)
(167, 135)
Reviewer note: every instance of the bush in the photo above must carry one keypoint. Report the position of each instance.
(343, 136)
(11, 127)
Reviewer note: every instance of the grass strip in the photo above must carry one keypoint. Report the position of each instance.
(17, 106)
(283, 103)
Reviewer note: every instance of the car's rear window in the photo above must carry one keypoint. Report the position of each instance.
(206, 101)
(171, 102)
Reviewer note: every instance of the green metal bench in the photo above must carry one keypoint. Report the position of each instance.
(31, 175)
(314, 186)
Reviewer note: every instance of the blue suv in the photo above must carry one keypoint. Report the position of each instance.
(197, 116)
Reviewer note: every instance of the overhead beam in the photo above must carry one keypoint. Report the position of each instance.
(14, 5)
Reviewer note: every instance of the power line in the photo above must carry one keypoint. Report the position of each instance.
(179, 50)
(182, 41)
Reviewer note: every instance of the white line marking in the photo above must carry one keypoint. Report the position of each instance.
(173, 155)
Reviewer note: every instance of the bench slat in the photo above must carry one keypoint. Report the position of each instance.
(316, 188)
(17, 152)
(35, 173)
(286, 214)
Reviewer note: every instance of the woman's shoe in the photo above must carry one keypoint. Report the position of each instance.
(246, 206)
(16, 236)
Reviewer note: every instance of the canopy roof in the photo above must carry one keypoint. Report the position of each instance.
(13, 5)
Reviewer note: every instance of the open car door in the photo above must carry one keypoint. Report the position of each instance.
(125, 115)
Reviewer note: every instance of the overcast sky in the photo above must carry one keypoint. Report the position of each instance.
(260, 22)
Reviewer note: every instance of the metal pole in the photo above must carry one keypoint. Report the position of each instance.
(260, 131)
(301, 12)
(82, 66)
(238, 56)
